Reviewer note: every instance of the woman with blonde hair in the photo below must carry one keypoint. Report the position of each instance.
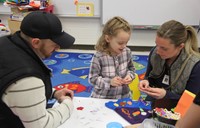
(173, 65)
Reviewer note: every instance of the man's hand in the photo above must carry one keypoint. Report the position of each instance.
(63, 94)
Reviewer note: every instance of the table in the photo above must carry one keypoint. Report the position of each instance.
(93, 115)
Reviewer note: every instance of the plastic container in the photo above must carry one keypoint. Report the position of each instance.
(114, 125)
(163, 119)
(150, 123)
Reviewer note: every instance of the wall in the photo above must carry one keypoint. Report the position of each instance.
(68, 8)
(152, 12)
(87, 31)
(4, 9)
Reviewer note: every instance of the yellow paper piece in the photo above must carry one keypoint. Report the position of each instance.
(85, 9)
(134, 88)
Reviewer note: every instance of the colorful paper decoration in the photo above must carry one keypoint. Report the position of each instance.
(85, 9)
(184, 103)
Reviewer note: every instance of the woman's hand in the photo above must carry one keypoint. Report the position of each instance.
(143, 85)
(157, 93)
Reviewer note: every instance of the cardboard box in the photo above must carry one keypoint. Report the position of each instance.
(17, 16)
(16, 10)
(13, 25)
(15, 19)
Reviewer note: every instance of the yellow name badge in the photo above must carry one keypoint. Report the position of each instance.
(85, 9)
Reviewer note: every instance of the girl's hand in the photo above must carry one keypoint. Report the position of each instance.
(127, 80)
(116, 81)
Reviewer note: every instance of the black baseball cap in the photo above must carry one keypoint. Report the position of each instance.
(44, 25)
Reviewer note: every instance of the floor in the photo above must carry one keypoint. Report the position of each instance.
(74, 70)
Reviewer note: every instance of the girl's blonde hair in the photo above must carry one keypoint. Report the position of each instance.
(178, 33)
(111, 29)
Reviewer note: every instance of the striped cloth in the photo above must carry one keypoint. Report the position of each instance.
(26, 98)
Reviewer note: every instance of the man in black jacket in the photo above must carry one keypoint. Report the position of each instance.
(25, 85)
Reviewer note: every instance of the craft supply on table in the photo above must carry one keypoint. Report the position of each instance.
(114, 125)
(132, 111)
(165, 116)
